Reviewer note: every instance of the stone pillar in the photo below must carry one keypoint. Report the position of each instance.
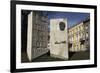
(58, 38)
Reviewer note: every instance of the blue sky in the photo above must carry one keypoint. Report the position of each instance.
(72, 17)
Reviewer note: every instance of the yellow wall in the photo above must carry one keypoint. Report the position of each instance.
(75, 33)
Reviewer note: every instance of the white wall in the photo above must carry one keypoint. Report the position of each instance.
(5, 37)
(29, 37)
(59, 50)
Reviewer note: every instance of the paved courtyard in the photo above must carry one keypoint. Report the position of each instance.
(46, 57)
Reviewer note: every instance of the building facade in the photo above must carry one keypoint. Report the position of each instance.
(78, 36)
(37, 35)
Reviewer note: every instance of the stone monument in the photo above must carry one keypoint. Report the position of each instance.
(58, 38)
(37, 35)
